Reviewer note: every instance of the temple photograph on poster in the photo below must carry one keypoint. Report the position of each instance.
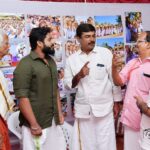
(108, 26)
(14, 26)
(133, 22)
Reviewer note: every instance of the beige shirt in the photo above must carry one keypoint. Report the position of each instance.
(95, 92)
(6, 101)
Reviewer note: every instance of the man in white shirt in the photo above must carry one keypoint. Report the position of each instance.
(89, 70)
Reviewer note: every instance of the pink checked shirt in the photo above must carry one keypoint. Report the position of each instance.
(137, 76)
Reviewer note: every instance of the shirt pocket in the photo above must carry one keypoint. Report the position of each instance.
(144, 82)
(99, 73)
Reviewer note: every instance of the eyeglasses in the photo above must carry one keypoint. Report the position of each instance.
(6, 43)
(140, 41)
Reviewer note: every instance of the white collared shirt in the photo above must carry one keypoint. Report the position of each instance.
(96, 91)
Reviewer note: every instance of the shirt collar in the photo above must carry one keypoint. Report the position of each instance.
(34, 55)
(148, 58)
(93, 51)
(145, 60)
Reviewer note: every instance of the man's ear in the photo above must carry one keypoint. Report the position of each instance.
(78, 39)
(39, 44)
(148, 45)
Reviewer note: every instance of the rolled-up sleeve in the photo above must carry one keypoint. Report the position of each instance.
(125, 72)
(22, 79)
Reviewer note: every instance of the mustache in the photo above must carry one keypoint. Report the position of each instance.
(91, 43)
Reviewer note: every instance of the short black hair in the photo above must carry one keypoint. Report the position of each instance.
(147, 36)
(38, 34)
(84, 27)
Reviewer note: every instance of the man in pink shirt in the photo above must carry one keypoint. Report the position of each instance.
(136, 74)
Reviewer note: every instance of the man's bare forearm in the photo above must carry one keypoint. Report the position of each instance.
(116, 78)
(76, 80)
(82, 73)
(26, 109)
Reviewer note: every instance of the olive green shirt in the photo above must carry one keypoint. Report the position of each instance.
(37, 81)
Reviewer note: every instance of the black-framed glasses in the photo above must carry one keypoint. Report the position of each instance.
(5, 43)
(141, 41)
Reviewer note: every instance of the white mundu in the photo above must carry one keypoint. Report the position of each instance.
(6, 101)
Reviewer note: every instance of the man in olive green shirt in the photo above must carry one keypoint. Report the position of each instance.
(35, 85)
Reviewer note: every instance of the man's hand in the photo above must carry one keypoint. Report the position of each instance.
(142, 105)
(61, 118)
(116, 109)
(116, 66)
(36, 130)
(139, 101)
(84, 70)
(116, 61)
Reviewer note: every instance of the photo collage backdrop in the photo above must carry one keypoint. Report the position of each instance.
(109, 34)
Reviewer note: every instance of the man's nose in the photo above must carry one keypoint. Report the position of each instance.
(92, 38)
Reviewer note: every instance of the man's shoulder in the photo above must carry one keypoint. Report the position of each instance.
(26, 58)
(24, 63)
(103, 50)
(73, 56)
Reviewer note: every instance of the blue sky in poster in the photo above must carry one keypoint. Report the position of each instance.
(81, 18)
(110, 41)
(106, 19)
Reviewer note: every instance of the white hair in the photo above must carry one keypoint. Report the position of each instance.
(2, 33)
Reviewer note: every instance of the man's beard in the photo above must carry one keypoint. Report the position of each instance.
(48, 50)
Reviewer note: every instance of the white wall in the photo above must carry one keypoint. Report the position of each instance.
(80, 9)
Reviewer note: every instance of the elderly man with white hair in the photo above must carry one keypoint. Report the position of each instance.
(6, 102)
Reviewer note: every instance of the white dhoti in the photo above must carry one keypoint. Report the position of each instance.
(131, 139)
(95, 133)
(51, 138)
